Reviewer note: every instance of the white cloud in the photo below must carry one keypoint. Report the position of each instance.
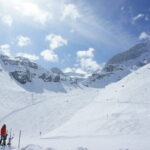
(49, 55)
(139, 16)
(70, 11)
(85, 60)
(88, 53)
(5, 49)
(80, 71)
(23, 40)
(30, 9)
(28, 56)
(7, 19)
(89, 64)
(144, 35)
(89, 27)
(67, 70)
(56, 41)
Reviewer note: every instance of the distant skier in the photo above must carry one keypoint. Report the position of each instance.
(3, 135)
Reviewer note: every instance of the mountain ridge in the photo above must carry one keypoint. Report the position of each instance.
(31, 75)
(121, 65)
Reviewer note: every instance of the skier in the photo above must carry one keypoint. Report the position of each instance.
(3, 135)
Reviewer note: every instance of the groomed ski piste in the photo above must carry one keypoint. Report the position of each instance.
(116, 117)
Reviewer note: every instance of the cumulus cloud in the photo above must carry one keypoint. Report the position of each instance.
(28, 56)
(144, 36)
(86, 60)
(56, 41)
(5, 49)
(49, 55)
(70, 11)
(89, 64)
(88, 53)
(23, 40)
(66, 70)
(31, 9)
(139, 16)
(7, 19)
(80, 71)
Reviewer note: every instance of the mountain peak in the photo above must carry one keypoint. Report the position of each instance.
(121, 65)
(32, 76)
(133, 53)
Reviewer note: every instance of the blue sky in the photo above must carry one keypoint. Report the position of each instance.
(74, 35)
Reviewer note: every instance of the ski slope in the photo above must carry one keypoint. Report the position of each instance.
(121, 108)
(38, 112)
(12, 96)
(116, 117)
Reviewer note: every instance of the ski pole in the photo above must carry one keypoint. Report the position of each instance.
(9, 139)
(19, 140)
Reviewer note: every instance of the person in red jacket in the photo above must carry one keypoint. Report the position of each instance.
(3, 135)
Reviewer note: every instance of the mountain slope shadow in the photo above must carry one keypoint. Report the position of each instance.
(39, 87)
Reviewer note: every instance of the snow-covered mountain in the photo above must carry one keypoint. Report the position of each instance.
(46, 103)
(115, 117)
(121, 65)
(32, 76)
(39, 112)
(36, 100)
(122, 108)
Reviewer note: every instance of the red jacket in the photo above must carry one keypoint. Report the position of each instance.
(3, 130)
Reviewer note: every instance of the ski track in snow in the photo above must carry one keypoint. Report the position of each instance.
(16, 111)
(62, 100)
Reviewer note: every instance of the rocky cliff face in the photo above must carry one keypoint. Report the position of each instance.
(24, 71)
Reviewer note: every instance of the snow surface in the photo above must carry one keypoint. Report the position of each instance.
(38, 112)
(12, 96)
(60, 116)
(116, 117)
(120, 108)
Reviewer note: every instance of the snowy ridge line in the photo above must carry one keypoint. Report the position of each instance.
(34, 78)
(120, 65)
